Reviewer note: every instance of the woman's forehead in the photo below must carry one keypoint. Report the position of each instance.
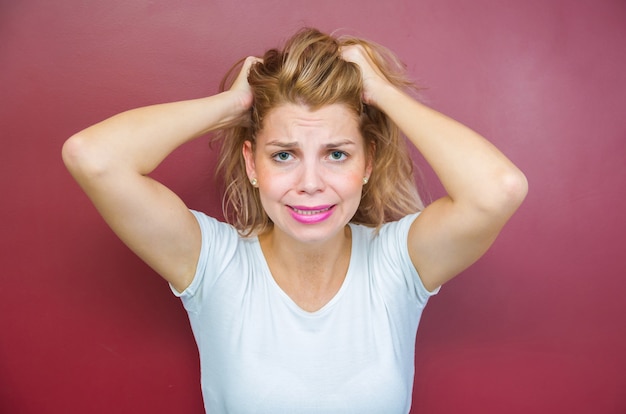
(293, 121)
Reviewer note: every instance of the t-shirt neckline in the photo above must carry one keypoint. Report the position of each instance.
(267, 273)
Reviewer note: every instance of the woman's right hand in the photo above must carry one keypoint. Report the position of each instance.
(241, 88)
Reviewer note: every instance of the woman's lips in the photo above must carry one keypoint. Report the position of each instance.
(311, 215)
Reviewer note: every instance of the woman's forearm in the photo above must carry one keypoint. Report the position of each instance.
(470, 168)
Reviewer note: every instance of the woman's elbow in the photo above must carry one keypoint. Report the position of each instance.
(80, 157)
(513, 191)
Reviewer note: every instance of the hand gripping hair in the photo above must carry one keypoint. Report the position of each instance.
(309, 70)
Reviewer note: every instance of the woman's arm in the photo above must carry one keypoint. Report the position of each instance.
(111, 160)
(483, 187)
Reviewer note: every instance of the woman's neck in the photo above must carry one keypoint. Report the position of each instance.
(311, 274)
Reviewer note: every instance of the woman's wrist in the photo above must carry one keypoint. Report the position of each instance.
(384, 96)
(226, 107)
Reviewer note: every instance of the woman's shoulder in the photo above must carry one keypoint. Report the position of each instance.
(217, 231)
(387, 229)
(387, 241)
(205, 220)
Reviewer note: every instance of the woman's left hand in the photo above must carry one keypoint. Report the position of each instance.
(374, 82)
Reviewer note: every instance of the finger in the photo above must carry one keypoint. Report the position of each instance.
(251, 60)
(353, 53)
(244, 72)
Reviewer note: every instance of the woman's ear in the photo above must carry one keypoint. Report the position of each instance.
(248, 155)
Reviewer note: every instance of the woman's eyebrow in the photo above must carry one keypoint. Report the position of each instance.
(282, 144)
(295, 144)
(342, 143)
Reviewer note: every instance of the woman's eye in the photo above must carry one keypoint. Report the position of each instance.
(282, 156)
(337, 155)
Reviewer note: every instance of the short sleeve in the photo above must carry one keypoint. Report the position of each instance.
(219, 240)
(394, 245)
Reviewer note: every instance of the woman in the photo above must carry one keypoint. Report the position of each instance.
(310, 301)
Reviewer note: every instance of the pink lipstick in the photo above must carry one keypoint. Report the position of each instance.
(311, 215)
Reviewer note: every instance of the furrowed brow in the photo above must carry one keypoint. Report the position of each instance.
(337, 144)
(282, 144)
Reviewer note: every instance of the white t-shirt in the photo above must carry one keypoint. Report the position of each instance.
(261, 353)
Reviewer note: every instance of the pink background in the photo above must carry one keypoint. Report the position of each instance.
(536, 326)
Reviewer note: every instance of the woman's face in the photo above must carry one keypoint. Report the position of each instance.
(310, 167)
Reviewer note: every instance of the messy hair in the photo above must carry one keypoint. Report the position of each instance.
(310, 71)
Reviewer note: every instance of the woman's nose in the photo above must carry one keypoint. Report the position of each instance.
(311, 178)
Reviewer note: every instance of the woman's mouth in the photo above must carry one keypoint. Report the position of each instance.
(311, 215)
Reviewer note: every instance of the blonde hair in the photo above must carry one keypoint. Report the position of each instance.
(310, 71)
